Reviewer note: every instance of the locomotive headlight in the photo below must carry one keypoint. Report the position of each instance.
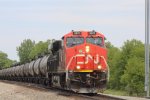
(78, 67)
(87, 49)
(99, 67)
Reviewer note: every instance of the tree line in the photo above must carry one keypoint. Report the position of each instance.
(127, 67)
(29, 50)
(5, 62)
(126, 63)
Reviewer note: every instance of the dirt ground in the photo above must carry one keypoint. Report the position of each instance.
(25, 91)
(16, 92)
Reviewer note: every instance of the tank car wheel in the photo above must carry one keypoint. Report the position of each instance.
(43, 82)
(37, 81)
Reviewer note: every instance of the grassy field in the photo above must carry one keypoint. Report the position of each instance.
(115, 92)
(122, 93)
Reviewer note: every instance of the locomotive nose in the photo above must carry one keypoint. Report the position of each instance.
(88, 58)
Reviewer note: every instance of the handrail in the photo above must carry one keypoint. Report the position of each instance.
(108, 74)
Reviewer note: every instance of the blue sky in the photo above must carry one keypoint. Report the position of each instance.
(118, 20)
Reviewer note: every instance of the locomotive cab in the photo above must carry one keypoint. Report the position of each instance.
(85, 51)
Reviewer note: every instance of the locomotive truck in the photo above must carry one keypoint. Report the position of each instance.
(78, 63)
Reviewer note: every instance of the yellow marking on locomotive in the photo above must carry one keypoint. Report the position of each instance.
(83, 71)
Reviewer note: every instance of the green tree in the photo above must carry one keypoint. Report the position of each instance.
(133, 77)
(113, 62)
(39, 49)
(122, 62)
(4, 61)
(24, 50)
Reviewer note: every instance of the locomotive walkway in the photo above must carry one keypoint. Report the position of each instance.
(26, 91)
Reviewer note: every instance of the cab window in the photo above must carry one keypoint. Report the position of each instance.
(95, 40)
(73, 41)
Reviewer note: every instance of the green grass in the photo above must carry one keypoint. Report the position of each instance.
(115, 92)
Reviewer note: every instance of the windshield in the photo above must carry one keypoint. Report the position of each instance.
(95, 40)
(73, 41)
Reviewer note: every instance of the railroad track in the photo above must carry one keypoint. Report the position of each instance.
(94, 97)
(66, 93)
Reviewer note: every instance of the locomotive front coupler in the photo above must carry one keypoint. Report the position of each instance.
(90, 76)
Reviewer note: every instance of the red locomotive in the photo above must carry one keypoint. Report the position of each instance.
(77, 63)
(85, 54)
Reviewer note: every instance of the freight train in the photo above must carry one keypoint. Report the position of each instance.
(78, 63)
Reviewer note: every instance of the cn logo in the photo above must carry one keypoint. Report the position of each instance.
(89, 57)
